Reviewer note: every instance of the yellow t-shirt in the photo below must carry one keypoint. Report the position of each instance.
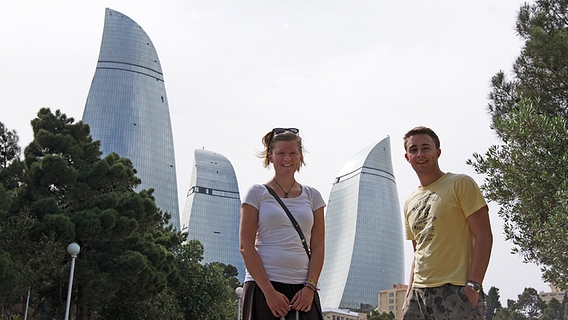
(436, 218)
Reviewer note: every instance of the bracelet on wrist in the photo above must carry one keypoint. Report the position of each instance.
(311, 286)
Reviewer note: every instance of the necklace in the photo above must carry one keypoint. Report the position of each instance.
(285, 193)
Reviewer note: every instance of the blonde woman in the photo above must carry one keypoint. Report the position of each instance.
(282, 273)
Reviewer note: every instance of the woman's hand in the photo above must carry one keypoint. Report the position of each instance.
(303, 299)
(278, 303)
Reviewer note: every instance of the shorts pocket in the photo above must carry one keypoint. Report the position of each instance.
(463, 296)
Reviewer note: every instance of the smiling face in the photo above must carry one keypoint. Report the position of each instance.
(422, 154)
(285, 157)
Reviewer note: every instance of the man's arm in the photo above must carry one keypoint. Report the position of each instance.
(481, 228)
(411, 278)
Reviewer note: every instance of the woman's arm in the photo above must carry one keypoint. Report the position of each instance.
(304, 298)
(317, 245)
(277, 302)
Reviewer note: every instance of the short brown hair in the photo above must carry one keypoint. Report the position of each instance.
(422, 130)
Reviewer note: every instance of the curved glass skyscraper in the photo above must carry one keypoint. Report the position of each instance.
(212, 209)
(364, 251)
(127, 108)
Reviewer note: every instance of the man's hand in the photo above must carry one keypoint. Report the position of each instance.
(471, 295)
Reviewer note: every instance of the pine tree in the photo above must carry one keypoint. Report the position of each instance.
(72, 195)
(492, 303)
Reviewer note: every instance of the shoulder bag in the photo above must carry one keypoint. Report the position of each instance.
(292, 219)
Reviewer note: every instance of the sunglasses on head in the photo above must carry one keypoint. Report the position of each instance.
(282, 130)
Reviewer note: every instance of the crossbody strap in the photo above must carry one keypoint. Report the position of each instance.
(292, 219)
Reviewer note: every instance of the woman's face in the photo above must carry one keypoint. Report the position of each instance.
(286, 157)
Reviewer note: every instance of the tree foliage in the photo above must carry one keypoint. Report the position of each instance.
(72, 195)
(529, 305)
(527, 174)
(554, 311)
(19, 257)
(205, 290)
(492, 303)
(132, 265)
(376, 315)
(202, 291)
(9, 147)
(163, 306)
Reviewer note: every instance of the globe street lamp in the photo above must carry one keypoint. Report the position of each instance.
(239, 292)
(73, 249)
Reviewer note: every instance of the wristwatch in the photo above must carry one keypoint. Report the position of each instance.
(475, 286)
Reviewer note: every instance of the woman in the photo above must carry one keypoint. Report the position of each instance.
(281, 278)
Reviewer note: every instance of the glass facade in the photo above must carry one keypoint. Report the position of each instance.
(211, 212)
(127, 108)
(364, 242)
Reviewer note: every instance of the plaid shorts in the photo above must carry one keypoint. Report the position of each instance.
(448, 302)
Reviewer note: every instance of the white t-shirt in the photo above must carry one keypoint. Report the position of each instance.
(277, 242)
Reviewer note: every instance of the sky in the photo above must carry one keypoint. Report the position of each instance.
(346, 73)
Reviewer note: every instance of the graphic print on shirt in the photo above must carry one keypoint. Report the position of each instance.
(423, 226)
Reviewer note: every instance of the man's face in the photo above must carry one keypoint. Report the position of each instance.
(422, 154)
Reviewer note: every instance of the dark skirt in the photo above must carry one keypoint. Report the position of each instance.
(256, 308)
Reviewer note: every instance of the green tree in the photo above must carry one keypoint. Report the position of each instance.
(9, 274)
(553, 311)
(230, 272)
(492, 303)
(527, 173)
(16, 258)
(163, 306)
(204, 291)
(376, 315)
(530, 304)
(71, 194)
(9, 147)
(508, 314)
(11, 166)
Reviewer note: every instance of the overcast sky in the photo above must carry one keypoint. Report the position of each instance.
(346, 73)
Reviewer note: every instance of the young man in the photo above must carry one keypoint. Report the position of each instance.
(447, 220)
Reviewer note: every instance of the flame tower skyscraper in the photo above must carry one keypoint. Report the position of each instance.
(212, 209)
(364, 244)
(127, 108)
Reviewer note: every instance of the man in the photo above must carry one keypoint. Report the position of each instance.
(447, 220)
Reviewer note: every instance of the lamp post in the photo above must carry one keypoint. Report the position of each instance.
(73, 249)
(239, 292)
(27, 305)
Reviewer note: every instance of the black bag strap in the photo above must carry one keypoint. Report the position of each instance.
(292, 219)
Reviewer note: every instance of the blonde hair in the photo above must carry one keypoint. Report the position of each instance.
(271, 138)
